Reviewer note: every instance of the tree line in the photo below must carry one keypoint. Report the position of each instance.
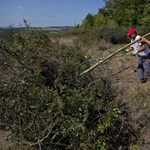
(119, 13)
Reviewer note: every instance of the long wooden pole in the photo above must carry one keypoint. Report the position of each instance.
(111, 55)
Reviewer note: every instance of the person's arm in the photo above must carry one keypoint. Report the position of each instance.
(130, 49)
(144, 40)
(142, 48)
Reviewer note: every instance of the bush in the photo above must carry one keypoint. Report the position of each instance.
(113, 35)
(52, 107)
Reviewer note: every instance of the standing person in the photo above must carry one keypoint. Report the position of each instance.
(143, 54)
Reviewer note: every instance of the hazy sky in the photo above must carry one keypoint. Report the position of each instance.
(47, 12)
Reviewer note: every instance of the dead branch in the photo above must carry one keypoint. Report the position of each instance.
(14, 55)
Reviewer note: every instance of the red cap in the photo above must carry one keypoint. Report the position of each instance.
(131, 31)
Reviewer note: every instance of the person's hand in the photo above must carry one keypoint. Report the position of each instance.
(134, 53)
(142, 40)
(125, 51)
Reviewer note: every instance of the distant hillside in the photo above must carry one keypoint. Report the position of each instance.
(59, 27)
(3, 28)
(39, 28)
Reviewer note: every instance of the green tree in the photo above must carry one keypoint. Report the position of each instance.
(88, 22)
(103, 11)
(99, 20)
(145, 18)
(127, 12)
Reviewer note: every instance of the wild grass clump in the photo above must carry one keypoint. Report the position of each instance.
(47, 105)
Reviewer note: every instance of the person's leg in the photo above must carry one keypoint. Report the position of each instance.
(146, 66)
(140, 69)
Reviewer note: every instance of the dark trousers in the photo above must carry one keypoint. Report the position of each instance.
(143, 67)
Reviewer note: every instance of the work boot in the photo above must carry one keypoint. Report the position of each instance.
(142, 81)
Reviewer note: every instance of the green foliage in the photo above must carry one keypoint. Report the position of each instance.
(101, 144)
(145, 18)
(119, 13)
(113, 35)
(88, 22)
(128, 13)
(99, 21)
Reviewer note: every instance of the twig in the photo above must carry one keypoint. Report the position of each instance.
(14, 54)
(113, 74)
(40, 141)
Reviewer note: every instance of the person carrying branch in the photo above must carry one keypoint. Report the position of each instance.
(143, 55)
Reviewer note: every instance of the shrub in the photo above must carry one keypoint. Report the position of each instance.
(55, 108)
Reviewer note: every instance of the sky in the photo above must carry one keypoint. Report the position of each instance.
(45, 13)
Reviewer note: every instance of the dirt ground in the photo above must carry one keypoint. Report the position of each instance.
(137, 97)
